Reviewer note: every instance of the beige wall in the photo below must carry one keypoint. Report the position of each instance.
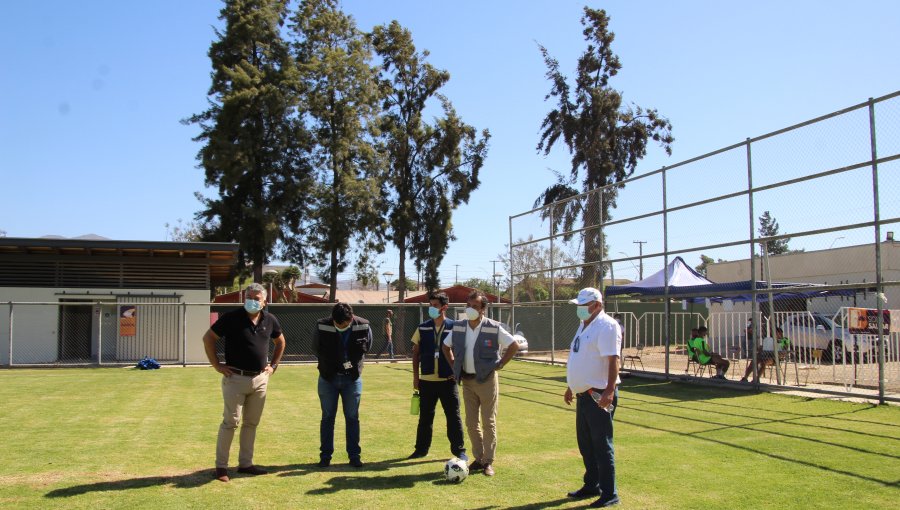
(852, 264)
(35, 327)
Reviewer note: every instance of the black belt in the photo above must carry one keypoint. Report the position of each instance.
(248, 373)
(583, 393)
(466, 375)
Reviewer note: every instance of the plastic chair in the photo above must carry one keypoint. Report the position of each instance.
(734, 356)
(635, 357)
(699, 368)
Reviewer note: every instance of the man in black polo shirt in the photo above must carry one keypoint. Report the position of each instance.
(247, 332)
(341, 343)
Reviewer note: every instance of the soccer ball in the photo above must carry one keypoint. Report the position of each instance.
(456, 470)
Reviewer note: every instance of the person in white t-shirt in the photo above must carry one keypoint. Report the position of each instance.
(592, 375)
(477, 349)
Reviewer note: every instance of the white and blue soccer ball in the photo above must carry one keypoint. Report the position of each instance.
(456, 470)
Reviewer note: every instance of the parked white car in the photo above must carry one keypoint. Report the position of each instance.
(817, 331)
(520, 339)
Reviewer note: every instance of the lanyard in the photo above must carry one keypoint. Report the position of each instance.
(345, 341)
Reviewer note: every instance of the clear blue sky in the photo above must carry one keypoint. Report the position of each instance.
(91, 94)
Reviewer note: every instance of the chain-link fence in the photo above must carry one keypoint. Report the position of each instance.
(86, 332)
(793, 229)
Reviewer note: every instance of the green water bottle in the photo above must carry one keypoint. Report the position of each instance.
(414, 404)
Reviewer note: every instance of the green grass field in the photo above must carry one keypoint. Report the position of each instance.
(121, 438)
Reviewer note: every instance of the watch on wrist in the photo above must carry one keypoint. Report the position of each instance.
(274, 366)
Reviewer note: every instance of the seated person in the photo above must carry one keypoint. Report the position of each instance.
(766, 357)
(707, 357)
(690, 343)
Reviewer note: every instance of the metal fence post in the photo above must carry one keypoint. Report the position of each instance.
(879, 287)
(668, 305)
(99, 333)
(512, 281)
(183, 334)
(754, 308)
(552, 295)
(9, 361)
(771, 321)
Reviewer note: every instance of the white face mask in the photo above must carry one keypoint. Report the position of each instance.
(341, 330)
(472, 314)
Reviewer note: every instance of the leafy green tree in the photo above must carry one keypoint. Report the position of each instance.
(366, 272)
(254, 147)
(273, 281)
(191, 231)
(410, 285)
(481, 284)
(340, 101)
(605, 138)
(289, 276)
(433, 166)
(535, 259)
(705, 262)
(768, 227)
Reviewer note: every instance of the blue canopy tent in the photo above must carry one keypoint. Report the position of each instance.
(686, 283)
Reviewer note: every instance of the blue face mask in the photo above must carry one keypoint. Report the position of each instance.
(583, 313)
(252, 306)
(433, 312)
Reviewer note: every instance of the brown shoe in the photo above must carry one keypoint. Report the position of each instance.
(488, 470)
(222, 474)
(252, 470)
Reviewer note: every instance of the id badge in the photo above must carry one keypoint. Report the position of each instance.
(436, 355)
(348, 365)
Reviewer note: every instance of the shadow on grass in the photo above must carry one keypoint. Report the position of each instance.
(185, 481)
(548, 504)
(205, 476)
(339, 483)
(623, 408)
(382, 465)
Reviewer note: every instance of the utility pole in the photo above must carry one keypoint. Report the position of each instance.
(640, 258)
(456, 278)
(496, 275)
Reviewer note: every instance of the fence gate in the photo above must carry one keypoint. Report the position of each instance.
(156, 332)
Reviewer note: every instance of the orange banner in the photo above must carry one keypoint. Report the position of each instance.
(127, 320)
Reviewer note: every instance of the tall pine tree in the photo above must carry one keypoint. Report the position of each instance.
(768, 226)
(340, 105)
(433, 166)
(254, 147)
(605, 138)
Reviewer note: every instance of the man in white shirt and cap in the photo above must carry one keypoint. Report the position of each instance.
(592, 374)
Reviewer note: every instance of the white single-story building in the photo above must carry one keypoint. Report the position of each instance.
(107, 301)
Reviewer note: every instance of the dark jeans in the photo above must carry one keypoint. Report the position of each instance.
(389, 347)
(350, 392)
(429, 394)
(594, 428)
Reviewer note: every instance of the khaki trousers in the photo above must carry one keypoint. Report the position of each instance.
(245, 398)
(481, 401)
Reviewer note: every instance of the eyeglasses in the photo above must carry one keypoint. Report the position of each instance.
(576, 344)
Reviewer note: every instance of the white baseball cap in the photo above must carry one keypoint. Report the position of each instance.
(587, 295)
